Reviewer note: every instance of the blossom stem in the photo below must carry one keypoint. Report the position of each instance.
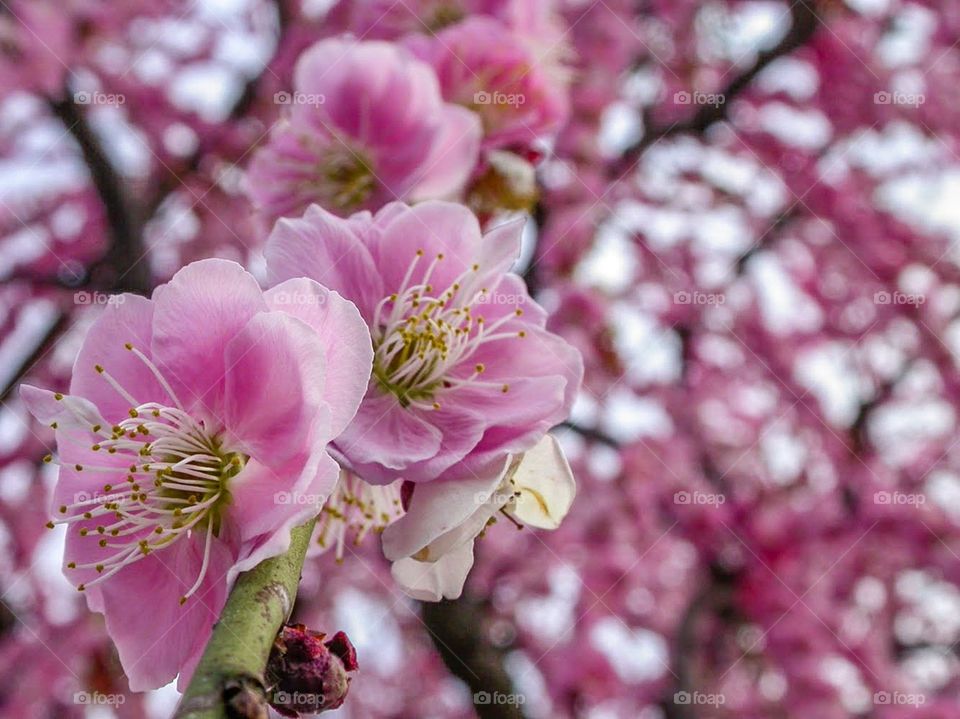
(228, 681)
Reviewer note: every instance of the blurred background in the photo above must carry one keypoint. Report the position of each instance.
(748, 226)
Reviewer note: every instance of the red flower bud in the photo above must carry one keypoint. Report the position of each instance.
(307, 675)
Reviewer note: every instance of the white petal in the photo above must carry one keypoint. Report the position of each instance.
(437, 508)
(433, 581)
(546, 486)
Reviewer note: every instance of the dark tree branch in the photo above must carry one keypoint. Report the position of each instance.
(123, 262)
(39, 351)
(456, 628)
(172, 179)
(122, 268)
(805, 21)
(779, 223)
(591, 433)
(713, 598)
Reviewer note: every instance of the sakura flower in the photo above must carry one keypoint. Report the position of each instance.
(367, 125)
(195, 423)
(464, 371)
(517, 92)
(431, 546)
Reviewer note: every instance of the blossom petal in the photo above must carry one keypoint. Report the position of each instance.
(546, 486)
(196, 314)
(345, 338)
(127, 320)
(501, 247)
(438, 229)
(265, 507)
(67, 411)
(433, 581)
(453, 157)
(273, 386)
(438, 507)
(384, 438)
(154, 643)
(327, 249)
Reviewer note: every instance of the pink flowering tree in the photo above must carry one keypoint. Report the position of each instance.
(489, 358)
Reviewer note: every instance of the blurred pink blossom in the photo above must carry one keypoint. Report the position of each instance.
(366, 126)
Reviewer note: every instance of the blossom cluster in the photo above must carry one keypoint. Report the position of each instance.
(393, 357)
(741, 216)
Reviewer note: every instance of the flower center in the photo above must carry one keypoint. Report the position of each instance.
(345, 178)
(172, 483)
(442, 15)
(420, 336)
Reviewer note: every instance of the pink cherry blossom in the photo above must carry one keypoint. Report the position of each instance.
(464, 371)
(367, 125)
(195, 426)
(482, 65)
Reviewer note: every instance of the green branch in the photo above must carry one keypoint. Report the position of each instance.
(228, 681)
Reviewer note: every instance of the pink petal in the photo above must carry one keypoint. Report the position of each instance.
(345, 338)
(454, 155)
(129, 321)
(461, 431)
(501, 247)
(196, 314)
(437, 228)
(327, 249)
(301, 505)
(264, 499)
(384, 438)
(68, 412)
(153, 633)
(273, 386)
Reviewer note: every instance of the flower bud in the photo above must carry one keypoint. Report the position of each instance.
(307, 675)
